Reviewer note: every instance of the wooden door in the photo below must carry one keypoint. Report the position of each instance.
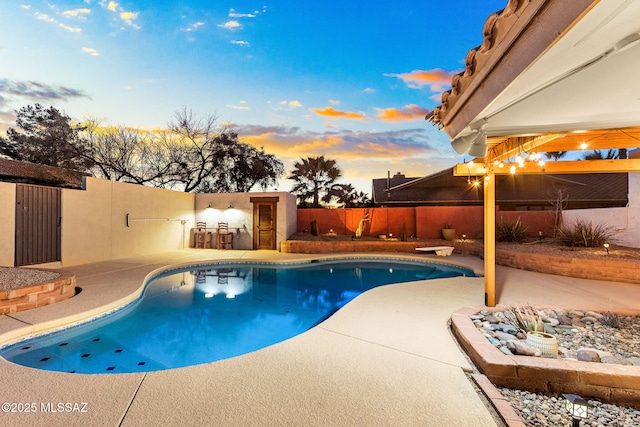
(38, 217)
(264, 223)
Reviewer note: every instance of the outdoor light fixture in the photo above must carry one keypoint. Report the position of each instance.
(464, 237)
(577, 407)
(230, 205)
(606, 248)
(540, 235)
(209, 208)
(475, 143)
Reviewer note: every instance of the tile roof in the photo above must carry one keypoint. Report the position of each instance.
(30, 173)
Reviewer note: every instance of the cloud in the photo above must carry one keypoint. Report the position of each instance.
(341, 145)
(129, 17)
(90, 51)
(295, 104)
(437, 79)
(230, 25)
(369, 90)
(70, 29)
(112, 6)
(76, 12)
(240, 42)
(334, 102)
(332, 112)
(194, 26)
(409, 112)
(38, 91)
(44, 17)
(234, 14)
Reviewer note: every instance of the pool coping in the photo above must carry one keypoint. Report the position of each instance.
(30, 331)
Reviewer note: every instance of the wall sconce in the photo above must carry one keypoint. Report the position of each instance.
(606, 248)
(209, 208)
(577, 407)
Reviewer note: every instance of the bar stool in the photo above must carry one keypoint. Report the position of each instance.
(225, 238)
(202, 237)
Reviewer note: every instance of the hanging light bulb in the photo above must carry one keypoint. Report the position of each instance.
(512, 170)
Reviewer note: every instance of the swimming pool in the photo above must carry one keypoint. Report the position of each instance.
(212, 312)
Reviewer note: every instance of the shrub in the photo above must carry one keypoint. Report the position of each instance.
(610, 319)
(584, 233)
(510, 231)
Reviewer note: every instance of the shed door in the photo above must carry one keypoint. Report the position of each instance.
(38, 218)
(264, 225)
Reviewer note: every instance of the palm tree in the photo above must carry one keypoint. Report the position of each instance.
(555, 155)
(347, 196)
(597, 155)
(312, 176)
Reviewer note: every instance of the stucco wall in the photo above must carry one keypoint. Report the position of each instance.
(7, 223)
(241, 215)
(624, 221)
(94, 225)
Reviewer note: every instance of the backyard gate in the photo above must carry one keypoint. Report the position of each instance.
(38, 218)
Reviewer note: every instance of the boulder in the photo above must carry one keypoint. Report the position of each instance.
(615, 360)
(503, 336)
(522, 348)
(587, 355)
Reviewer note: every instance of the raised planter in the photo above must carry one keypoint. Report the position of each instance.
(38, 295)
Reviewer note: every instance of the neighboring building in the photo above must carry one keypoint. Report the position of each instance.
(513, 192)
(31, 173)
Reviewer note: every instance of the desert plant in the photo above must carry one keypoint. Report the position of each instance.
(611, 319)
(510, 231)
(584, 233)
(524, 318)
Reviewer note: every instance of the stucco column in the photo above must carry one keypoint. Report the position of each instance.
(490, 240)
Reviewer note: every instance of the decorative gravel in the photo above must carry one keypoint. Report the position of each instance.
(12, 278)
(538, 409)
(542, 410)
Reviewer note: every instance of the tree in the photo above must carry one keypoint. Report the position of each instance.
(597, 155)
(47, 137)
(210, 159)
(347, 196)
(555, 155)
(194, 154)
(313, 176)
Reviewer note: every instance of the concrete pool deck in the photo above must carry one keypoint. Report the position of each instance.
(387, 358)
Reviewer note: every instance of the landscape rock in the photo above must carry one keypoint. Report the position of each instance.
(616, 360)
(588, 355)
(503, 336)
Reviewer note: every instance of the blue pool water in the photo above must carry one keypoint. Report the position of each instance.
(208, 313)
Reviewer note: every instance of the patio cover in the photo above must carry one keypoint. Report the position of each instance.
(550, 75)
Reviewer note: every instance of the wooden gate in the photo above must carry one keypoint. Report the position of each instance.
(38, 218)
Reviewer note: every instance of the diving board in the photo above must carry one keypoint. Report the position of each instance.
(439, 250)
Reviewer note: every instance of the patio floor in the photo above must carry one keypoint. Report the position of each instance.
(387, 358)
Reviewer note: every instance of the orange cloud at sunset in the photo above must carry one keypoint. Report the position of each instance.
(332, 112)
(409, 112)
(437, 79)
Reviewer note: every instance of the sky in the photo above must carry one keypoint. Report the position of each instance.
(351, 81)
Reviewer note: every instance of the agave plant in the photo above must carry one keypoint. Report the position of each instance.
(525, 318)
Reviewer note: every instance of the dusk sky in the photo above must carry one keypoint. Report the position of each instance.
(348, 80)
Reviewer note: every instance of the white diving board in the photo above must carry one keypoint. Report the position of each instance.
(439, 250)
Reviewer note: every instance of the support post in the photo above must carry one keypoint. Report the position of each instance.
(490, 240)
